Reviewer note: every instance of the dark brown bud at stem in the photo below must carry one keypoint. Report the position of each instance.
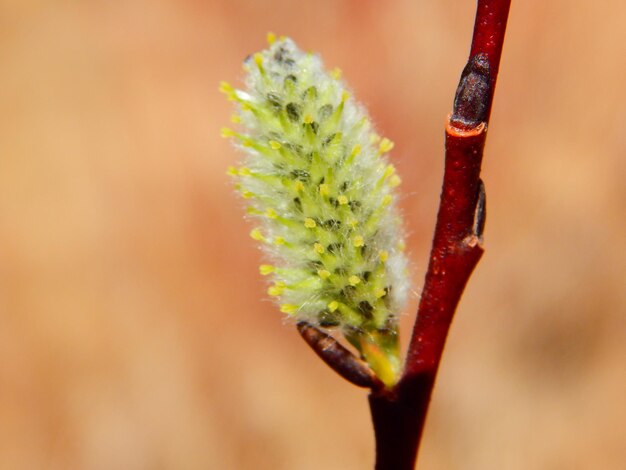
(338, 358)
(472, 95)
(480, 216)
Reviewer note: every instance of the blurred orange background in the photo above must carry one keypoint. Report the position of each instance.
(135, 332)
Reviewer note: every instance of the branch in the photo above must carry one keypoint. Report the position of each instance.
(398, 415)
(338, 358)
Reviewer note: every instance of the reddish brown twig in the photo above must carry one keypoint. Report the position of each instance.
(398, 415)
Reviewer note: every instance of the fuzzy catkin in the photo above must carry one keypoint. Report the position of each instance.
(317, 180)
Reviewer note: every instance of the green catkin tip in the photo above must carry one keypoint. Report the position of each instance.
(318, 182)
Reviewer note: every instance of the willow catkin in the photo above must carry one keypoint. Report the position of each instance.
(317, 181)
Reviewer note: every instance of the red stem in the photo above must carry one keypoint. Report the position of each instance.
(398, 415)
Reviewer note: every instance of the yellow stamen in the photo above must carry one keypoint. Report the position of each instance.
(356, 151)
(226, 88)
(358, 241)
(257, 235)
(226, 132)
(394, 181)
(309, 223)
(342, 200)
(385, 145)
(266, 269)
(289, 308)
(354, 280)
(324, 274)
(275, 291)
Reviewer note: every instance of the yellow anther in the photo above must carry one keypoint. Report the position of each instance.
(275, 145)
(354, 280)
(289, 308)
(279, 240)
(258, 59)
(226, 88)
(380, 293)
(232, 171)
(324, 189)
(309, 223)
(353, 223)
(226, 132)
(345, 96)
(308, 119)
(270, 213)
(374, 138)
(336, 73)
(319, 248)
(324, 274)
(275, 291)
(390, 170)
(271, 38)
(247, 194)
(298, 186)
(358, 241)
(387, 200)
(253, 210)
(332, 306)
(356, 151)
(342, 200)
(266, 269)
(244, 171)
(235, 119)
(385, 145)
(257, 235)
(383, 255)
(395, 181)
